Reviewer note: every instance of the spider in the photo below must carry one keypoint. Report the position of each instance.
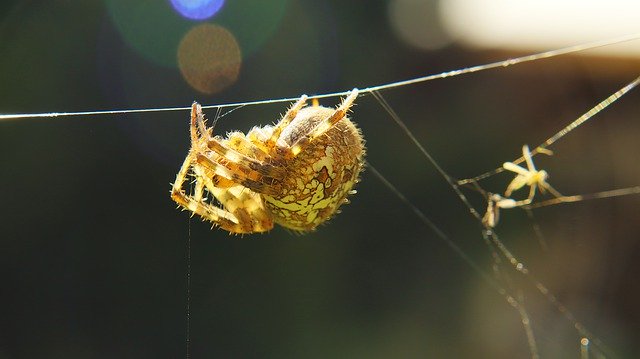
(529, 176)
(296, 173)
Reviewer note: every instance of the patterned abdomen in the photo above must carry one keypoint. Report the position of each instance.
(320, 177)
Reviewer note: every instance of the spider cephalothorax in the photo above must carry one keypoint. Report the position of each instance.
(296, 173)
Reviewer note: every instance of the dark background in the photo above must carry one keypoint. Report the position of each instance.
(93, 253)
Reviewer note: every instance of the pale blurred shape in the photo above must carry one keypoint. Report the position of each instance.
(197, 9)
(209, 58)
(533, 25)
(418, 23)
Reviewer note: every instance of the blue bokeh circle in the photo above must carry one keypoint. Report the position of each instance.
(197, 9)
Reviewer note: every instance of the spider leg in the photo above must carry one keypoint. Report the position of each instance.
(532, 191)
(527, 157)
(245, 206)
(198, 191)
(205, 175)
(198, 129)
(238, 162)
(182, 175)
(194, 204)
(233, 171)
(228, 160)
(241, 143)
(518, 182)
(191, 203)
(258, 136)
(323, 126)
(204, 210)
(229, 166)
(286, 120)
(238, 221)
(243, 209)
(510, 166)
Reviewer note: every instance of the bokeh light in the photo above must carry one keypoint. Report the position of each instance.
(417, 23)
(197, 9)
(209, 58)
(149, 27)
(154, 28)
(537, 25)
(252, 22)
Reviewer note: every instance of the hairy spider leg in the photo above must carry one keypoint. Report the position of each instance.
(244, 205)
(240, 204)
(270, 144)
(242, 144)
(323, 126)
(198, 129)
(216, 179)
(201, 134)
(265, 185)
(204, 210)
(198, 191)
(236, 161)
(242, 169)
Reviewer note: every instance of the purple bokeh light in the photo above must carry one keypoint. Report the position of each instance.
(197, 9)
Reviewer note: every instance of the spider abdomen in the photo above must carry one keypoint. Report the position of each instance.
(321, 176)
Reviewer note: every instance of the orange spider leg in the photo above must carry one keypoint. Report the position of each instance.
(323, 126)
(200, 134)
(217, 180)
(243, 209)
(245, 205)
(194, 205)
(239, 142)
(286, 120)
(220, 167)
(241, 166)
(237, 161)
(198, 130)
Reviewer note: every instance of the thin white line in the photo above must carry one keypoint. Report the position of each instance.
(89, 113)
(504, 63)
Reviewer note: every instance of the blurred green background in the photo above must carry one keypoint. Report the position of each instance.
(93, 253)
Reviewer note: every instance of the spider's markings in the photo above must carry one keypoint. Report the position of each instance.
(492, 65)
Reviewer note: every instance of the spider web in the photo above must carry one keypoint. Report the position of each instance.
(508, 275)
(505, 263)
(502, 282)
